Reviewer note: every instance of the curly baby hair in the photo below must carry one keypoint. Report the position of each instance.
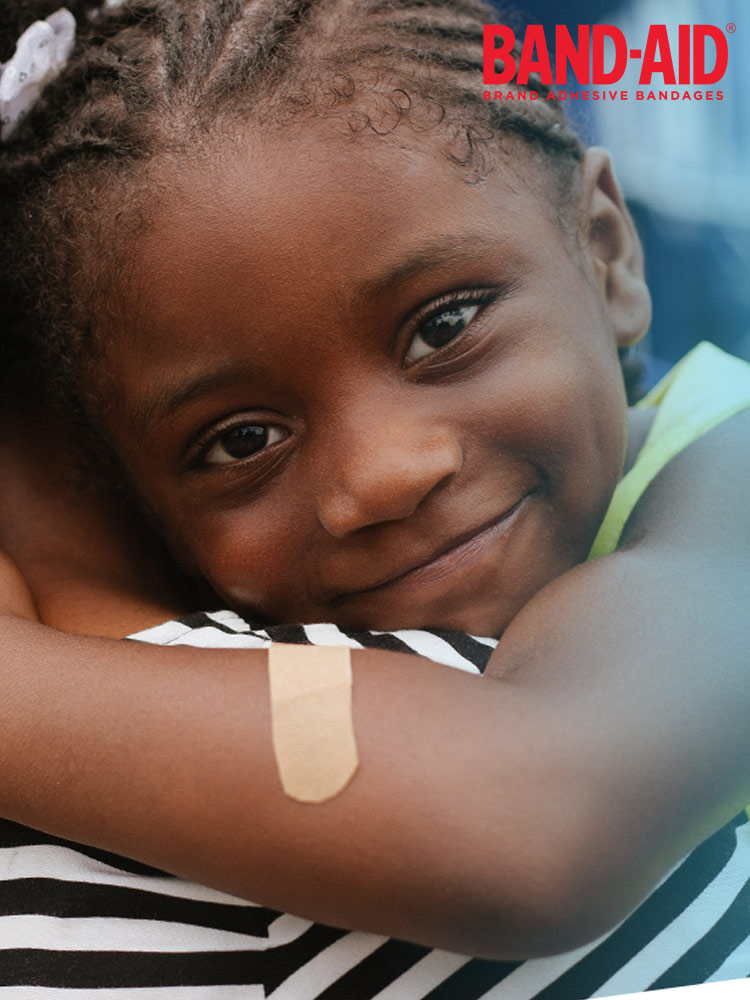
(154, 78)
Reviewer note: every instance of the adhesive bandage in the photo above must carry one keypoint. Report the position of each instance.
(311, 719)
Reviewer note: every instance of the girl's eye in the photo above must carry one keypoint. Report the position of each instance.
(241, 442)
(440, 329)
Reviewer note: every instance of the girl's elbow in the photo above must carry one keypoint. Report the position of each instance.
(553, 902)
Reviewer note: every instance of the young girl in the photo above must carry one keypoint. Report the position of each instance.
(351, 336)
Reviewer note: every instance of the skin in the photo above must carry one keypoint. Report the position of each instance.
(417, 481)
(577, 705)
(83, 556)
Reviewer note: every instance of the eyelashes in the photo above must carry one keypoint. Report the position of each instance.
(240, 442)
(444, 321)
(440, 329)
(233, 442)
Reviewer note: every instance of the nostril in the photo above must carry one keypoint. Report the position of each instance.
(447, 478)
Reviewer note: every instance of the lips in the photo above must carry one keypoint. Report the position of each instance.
(452, 557)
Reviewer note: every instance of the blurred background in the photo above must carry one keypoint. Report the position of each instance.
(684, 167)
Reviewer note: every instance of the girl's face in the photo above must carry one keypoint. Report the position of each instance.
(357, 387)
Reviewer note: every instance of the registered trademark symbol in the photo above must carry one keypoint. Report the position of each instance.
(731, 27)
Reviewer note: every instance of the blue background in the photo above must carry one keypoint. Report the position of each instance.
(685, 171)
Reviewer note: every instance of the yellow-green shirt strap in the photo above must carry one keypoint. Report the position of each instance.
(700, 392)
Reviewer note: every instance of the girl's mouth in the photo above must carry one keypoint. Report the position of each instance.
(455, 556)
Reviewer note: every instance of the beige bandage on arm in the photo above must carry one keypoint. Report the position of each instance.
(311, 719)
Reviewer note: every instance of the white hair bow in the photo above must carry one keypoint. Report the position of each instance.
(41, 53)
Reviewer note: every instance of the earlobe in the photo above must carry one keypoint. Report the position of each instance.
(614, 250)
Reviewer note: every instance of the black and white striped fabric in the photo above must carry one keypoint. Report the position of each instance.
(79, 923)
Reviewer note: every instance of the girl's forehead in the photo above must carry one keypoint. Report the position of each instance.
(322, 196)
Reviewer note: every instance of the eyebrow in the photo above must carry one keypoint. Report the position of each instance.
(173, 396)
(429, 256)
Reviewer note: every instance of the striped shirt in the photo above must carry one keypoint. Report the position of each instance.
(74, 919)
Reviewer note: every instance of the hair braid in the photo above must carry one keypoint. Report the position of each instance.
(164, 75)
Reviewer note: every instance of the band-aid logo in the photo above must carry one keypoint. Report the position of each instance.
(311, 719)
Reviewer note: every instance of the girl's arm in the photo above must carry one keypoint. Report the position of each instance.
(511, 815)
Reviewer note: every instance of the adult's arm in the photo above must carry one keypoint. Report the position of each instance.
(511, 815)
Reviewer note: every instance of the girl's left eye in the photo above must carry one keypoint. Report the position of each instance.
(242, 441)
(440, 329)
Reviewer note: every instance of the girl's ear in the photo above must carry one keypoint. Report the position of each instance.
(614, 249)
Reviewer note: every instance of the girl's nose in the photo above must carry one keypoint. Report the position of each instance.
(381, 468)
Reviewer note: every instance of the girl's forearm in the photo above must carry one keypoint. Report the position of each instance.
(165, 755)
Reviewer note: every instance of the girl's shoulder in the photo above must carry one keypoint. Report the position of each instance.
(708, 389)
(82, 558)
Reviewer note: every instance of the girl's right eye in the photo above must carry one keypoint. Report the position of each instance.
(241, 441)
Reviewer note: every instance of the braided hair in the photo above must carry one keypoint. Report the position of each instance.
(164, 77)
